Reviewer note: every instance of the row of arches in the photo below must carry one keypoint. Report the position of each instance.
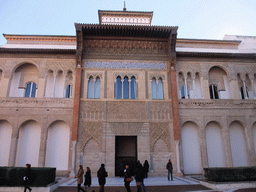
(190, 85)
(217, 146)
(25, 82)
(29, 141)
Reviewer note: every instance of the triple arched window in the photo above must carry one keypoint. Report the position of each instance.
(125, 88)
(93, 88)
(157, 88)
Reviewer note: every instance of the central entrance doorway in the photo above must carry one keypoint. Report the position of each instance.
(126, 152)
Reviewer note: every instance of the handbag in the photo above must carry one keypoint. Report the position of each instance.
(129, 179)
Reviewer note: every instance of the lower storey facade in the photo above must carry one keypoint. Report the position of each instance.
(213, 134)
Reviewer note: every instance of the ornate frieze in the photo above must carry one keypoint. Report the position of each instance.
(36, 102)
(125, 65)
(217, 103)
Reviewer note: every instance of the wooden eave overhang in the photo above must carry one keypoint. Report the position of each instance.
(61, 38)
(126, 30)
(37, 51)
(216, 55)
(207, 42)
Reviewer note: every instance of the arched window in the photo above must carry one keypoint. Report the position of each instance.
(126, 88)
(90, 88)
(97, 88)
(118, 88)
(133, 88)
(153, 85)
(160, 90)
(157, 88)
(30, 90)
(93, 88)
(214, 93)
(69, 91)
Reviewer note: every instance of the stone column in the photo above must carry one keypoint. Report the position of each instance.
(43, 143)
(252, 86)
(194, 88)
(226, 143)
(177, 147)
(245, 90)
(73, 170)
(13, 150)
(4, 86)
(186, 88)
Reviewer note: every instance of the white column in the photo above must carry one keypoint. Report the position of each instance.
(186, 88)
(72, 173)
(54, 84)
(178, 156)
(130, 95)
(122, 81)
(94, 87)
(194, 88)
(252, 85)
(245, 91)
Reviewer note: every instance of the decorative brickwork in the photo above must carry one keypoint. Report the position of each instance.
(126, 128)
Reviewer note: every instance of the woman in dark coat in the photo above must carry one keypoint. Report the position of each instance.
(27, 178)
(146, 168)
(102, 174)
(87, 177)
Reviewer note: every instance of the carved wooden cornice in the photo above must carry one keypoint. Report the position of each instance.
(125, 44)
(217, 55)
(39, 38)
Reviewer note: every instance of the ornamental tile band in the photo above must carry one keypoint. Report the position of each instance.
(123, 65)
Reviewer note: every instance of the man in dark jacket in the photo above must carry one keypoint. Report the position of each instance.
(139, 176)
(27, 178)
(169, 168)
(127, 176)
(102, 174)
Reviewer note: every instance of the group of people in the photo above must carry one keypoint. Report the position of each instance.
(141, 172)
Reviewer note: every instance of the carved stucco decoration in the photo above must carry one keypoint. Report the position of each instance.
(159, 131)
(126, 128)
(63, 65)
(91, 130)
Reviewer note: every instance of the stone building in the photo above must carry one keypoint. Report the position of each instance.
(124, 90)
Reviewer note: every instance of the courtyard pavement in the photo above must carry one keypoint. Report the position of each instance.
(151, 181)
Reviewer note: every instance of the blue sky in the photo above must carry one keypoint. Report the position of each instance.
(196, 19)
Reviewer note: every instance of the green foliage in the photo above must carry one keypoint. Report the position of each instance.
(13, 176)
(226, 174)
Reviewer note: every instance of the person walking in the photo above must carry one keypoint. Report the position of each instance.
(169, 168)
(87, 177)
(27, 178)
(79, 177)
(127, 178)
(139, 176)
(146, 168)
(102, 174)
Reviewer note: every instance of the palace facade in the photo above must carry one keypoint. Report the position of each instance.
(124, 90)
